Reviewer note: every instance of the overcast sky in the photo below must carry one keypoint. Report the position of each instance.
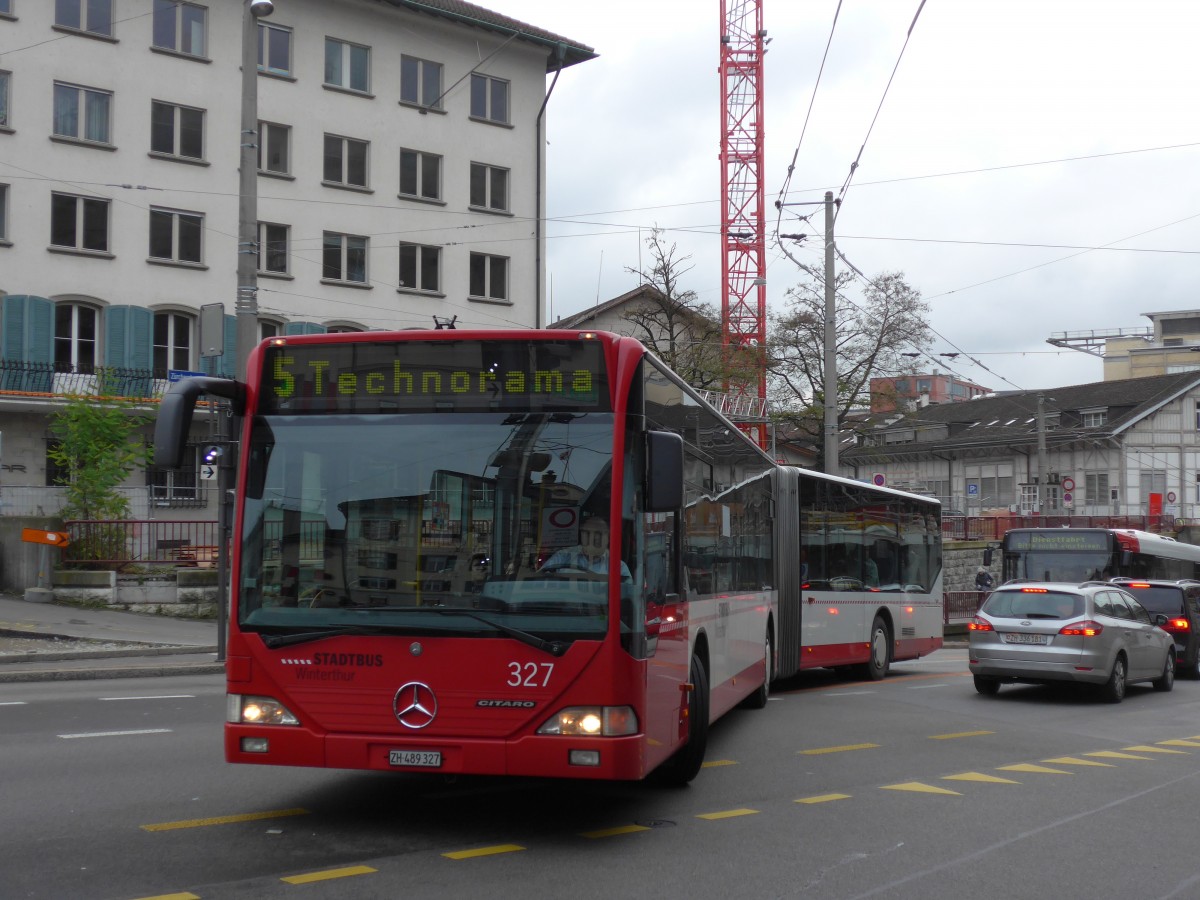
(1083, 114)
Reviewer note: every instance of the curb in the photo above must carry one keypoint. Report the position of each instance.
(154, 650)
(115, 672)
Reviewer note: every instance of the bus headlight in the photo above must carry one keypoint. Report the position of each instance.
(242, 709)
(592, 721)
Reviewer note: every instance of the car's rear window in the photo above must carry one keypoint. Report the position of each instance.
(1165, 599)
(1018, 604)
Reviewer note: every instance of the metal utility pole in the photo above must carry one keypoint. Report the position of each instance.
(830, 363)
(1043, 465)
(246, 304)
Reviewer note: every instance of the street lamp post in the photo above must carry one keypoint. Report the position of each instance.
(246, 304)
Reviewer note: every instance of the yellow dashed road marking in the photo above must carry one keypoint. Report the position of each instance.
(1145, 748)
(823, 798)
(1036, 770)
(842, 749)
(328, 874)
(226, 820)
(613, 832)
(960, 734)
(718, 762)
(1076, 761)
(483, 851)
(979, 776)
(728, 814)
(919, 788)
(1180, 743)
(1114, 754)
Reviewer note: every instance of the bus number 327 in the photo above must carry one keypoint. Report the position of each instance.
(529, 674)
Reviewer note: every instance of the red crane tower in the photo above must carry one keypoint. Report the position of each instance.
(743, 240)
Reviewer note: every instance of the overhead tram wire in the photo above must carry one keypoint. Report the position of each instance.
(796, 153)
(854, 165)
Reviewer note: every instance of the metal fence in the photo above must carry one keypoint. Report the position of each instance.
(992, 528)
(961, 606)
(126, 542)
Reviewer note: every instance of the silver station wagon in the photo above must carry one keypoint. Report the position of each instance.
(1093, 633)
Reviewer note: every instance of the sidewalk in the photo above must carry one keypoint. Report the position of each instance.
(128, 645)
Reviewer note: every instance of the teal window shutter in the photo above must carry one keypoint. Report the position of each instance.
(303, 328)
(116, 349)
(28, 324)
(128, 346)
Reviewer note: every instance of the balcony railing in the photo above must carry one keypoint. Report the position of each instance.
(19, 378)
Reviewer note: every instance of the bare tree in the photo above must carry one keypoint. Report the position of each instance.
(877, 335)
(682, 331)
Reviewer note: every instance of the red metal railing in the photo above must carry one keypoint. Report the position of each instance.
(992, 528)
(961, 606)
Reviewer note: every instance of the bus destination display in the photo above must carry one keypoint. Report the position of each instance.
(1063, 539)
(434, 376)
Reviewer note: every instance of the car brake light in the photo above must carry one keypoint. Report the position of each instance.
(1178, 625)
(978, 624)
(1137, 584)
(1034, 591)
(1086, 628)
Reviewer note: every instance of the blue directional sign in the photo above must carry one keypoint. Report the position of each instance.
(177, 374)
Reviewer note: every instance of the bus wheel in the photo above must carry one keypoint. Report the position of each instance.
(877, 667)
(759, 698)
(685, 764)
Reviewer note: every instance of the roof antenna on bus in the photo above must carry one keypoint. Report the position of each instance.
(440, 323)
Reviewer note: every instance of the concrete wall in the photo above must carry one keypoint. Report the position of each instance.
(19, 561)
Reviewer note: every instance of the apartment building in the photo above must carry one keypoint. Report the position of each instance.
(401, 161)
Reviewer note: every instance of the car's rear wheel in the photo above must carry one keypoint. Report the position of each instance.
(1114, 689)
(1166, 681)
(989, 687)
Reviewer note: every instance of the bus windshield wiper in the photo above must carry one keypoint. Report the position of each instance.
(554, 648)
(286, 640)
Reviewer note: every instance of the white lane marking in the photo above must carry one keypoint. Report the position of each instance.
(921, 687)
(154, 697)
(847, 693)
(92, 734)
(12, 703)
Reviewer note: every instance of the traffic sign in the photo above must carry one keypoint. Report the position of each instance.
(39, 536)
(208, 473)
(1068, 484)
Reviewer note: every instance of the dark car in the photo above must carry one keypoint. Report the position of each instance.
(1179, 601)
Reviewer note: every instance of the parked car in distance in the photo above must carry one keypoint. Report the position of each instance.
(1091, 633)
(1179, 601)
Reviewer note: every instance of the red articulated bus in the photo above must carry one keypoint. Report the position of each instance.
(516, 553)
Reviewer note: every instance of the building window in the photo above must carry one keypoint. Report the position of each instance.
(273, 141)
(3, 212)
(172, 342)
(1093, 418)
(1095, 488)
(489, 98)
(78, 223)
(344, 258)
(489, 276)
(347, 65)
(420, 267)
(345, 161)
(93, 16)
(420, 82)
(489, 187)
(176, 130)
(267, 329)
(74, 337)
(344, 329)
(176, 236)
(5, 82)
(420, 175)
(81, 113)
(176, 487)
(274, 49)
(272, 248)
(180, 27)
(6, 7)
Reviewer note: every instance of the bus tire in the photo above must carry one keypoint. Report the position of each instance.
(685, 764)
(759, 698)
(876, 668)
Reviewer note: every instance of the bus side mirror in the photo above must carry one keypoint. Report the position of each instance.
(987, 556)
(664, 471)
(174, 419)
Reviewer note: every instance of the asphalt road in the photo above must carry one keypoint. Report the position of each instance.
(912, 787)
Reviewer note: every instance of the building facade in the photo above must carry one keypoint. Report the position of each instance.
(910, 391)
(1108, 448)
(400, 179)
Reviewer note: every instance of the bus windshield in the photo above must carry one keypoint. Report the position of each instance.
(1060, 565)
(398, 520)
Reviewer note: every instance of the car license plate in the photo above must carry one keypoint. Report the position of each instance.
(1013, 638)
(430, 759)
